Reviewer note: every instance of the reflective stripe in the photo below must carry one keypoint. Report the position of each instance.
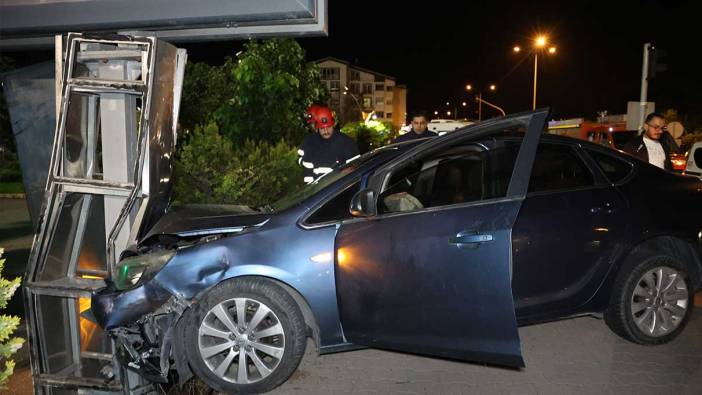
(322, 170)
(308, 179)
(308, 165)
(301, 152)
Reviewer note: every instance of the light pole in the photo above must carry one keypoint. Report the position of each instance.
(539, 45)
(479, 98)
(346, 92)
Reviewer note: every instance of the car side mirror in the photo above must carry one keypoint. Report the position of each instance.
(363, 203)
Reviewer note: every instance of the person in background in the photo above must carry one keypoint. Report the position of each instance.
(419, 128)
(325, 149)
(655, 144)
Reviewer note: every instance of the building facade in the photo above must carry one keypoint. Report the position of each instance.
(356, 92)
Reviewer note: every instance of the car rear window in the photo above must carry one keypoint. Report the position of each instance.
(615, 169)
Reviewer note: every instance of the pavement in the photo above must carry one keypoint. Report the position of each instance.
(575, 356)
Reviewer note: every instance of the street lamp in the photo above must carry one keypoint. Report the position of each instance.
(540, 43)
(479, 99)
(360, 109)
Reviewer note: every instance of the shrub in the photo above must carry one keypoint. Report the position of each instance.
(209, 170)
(8, 324)
(368, 136)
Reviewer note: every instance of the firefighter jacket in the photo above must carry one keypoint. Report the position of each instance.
(319, 156)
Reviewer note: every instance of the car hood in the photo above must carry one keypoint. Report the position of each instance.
(197, 220)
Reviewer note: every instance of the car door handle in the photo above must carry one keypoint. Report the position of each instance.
(470, 240)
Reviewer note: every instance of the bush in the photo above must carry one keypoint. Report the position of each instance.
(369, 136)
(209, 170)
(690, 138)
(8, 324)
(9, 167)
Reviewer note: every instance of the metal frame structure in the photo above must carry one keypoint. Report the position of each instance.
(105, 167)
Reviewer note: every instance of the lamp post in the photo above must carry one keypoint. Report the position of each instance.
(360, 109)
(479, 99)
(539, 45)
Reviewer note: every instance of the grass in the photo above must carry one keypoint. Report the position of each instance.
(11, 187)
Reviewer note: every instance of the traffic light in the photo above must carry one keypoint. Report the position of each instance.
(654, 64)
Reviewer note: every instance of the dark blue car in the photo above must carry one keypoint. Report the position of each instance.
(440, 247)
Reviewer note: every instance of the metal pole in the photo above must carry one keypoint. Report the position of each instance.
(644, 85)
(480, 106)
(536, 62)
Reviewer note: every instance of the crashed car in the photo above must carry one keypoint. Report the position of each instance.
(440, 247)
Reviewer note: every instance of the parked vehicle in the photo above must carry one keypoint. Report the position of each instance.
(694, 160)
(436, 246)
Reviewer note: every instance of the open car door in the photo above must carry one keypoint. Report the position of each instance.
(425, 266)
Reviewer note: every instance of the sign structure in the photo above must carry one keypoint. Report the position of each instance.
(33, 23)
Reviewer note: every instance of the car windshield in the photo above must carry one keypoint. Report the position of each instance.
(340, 172)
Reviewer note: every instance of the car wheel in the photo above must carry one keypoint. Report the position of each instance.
(245, 336)
(651, 301)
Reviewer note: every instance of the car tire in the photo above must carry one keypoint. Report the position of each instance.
(271, 348)
(651, 302)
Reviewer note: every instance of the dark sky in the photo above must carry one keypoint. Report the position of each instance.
(437, 47)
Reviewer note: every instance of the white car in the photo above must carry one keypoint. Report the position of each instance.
(694, 160)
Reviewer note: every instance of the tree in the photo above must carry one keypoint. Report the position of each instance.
(272, 86)
(205, 88)
(8, 324)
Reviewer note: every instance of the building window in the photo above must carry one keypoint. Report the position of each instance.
(367, 88)
(388, 102)
(380, 114)
(379, 87)
(388, 115)
(367, 102)
(354, 87)
(334, 86)
(330, 73)
(379, 78)
(389, 88)
(354, 75)
(379, 101)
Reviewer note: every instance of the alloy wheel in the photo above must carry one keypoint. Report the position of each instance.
(659, 301)
(241, 340)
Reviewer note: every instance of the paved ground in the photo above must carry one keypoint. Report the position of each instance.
(578, 356)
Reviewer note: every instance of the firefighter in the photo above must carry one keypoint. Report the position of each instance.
(325, 149)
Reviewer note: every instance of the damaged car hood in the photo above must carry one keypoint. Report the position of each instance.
(197, 220)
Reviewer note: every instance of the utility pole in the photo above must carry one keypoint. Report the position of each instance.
(644, 85)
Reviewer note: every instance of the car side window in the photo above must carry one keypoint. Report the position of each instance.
(615, 169)
(336, 209)
(558, 167)
(467, 173)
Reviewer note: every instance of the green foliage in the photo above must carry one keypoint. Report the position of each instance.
(9, 167)
(205, 88)
(272, 87)
(209, 170)
(200, 165)
(261, 173)
(369, 135)
(8, 324)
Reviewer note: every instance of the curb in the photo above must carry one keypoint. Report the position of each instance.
(12, 196)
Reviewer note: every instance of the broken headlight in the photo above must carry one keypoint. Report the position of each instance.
(131, 270)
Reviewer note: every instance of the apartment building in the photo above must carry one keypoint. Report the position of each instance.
(367, 91)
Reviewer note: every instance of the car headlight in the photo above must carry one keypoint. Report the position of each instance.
(132, 270)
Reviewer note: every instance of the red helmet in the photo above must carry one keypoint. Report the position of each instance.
(320, 116)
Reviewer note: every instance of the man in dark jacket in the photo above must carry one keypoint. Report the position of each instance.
(322, 151)
(655, 144)
(419, 129)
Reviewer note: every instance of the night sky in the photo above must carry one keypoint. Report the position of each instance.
(437, 48)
